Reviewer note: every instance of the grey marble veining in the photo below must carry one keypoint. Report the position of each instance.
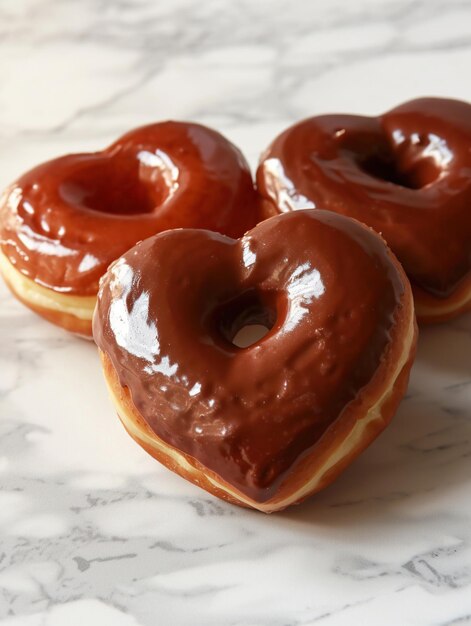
(92, 530)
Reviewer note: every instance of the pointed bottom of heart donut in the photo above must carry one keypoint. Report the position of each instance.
(358, 425)
(73, 313)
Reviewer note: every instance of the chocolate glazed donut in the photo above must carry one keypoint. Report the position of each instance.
(65, 221)
(407, 174)
(268, 424)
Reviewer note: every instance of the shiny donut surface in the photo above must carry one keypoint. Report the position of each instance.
(407, 174)
(65, 221)
(333, 299)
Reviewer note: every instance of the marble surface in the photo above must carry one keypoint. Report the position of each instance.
(92, 530)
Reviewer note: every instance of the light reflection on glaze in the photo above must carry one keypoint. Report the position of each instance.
(248, 413)
(407, 174)
(65, 221)
(131, 328)
(438, 150)
(37, 243)
(164, 165)
(304, 286)
(281, 189)
(248, 256)
(88, 262)
(29, 209)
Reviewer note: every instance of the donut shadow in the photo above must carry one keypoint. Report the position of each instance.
(423, 455)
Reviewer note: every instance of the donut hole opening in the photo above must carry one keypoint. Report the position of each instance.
(386, 167)
(412, 160)
(249, 334)
(246, 319)
(122, 186)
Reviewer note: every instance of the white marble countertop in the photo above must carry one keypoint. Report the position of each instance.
(92, 530)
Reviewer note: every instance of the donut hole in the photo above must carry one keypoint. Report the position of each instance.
(123, 185)
(246, 319)
(412, 161)
(249, 334)
(379, 166)
(387, 167)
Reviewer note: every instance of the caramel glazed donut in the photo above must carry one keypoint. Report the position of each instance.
(407, 174)
(267, 425)
(64, 222)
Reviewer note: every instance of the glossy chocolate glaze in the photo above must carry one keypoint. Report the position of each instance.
(62, 223)
(407, 174)
(168, 309)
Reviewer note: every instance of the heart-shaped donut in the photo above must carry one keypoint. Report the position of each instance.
(406, 173)
(65, 221)
(267, 424)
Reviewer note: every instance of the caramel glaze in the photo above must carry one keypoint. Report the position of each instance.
(169, 308)
(407, 174)
(62, 223)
